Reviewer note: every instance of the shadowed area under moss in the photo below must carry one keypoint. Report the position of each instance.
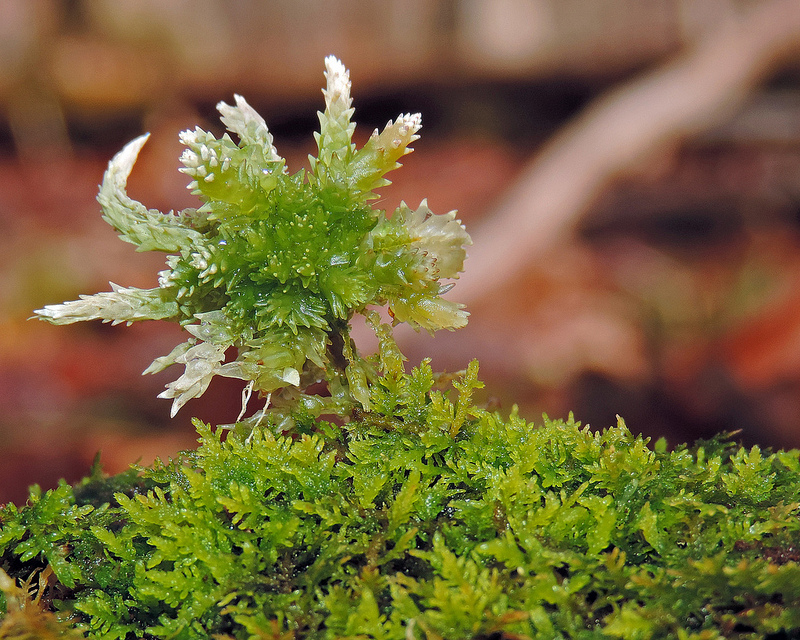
(426, 517)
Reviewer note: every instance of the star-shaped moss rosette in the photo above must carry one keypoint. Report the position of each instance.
(276, 264)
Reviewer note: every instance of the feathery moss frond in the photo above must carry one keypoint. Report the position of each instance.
(426, 517)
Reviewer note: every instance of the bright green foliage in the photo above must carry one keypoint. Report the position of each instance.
(415, 514)
(276, 264)
(425, 517)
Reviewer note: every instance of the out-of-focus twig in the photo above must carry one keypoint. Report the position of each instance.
(619, 131)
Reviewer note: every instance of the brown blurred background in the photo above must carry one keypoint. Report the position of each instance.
(629, 171)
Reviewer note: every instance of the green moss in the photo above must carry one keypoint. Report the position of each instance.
(412, 513)
(426, 517)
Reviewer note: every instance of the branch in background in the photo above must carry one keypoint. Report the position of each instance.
(620, 131)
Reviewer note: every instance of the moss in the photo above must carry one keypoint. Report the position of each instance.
(427, 517)
(274, 265)
(410, 512)
(27, 615)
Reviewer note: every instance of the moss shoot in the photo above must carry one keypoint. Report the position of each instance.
(426, 517)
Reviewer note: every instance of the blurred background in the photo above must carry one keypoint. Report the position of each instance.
(629, 171)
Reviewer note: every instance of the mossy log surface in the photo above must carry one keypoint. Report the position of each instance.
(426, 517)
